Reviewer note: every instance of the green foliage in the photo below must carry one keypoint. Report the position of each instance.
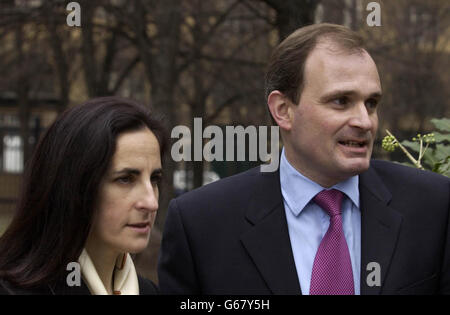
(433, 149)
(389, 143)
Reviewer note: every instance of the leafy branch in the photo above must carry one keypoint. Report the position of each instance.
(432, 148)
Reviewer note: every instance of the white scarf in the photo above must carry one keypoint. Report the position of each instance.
(125, 276)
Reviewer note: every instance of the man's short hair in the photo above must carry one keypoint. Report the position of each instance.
(287, 64)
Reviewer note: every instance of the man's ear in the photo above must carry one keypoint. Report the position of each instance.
(280, 108)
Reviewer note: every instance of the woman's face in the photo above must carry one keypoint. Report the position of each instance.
(128, 194)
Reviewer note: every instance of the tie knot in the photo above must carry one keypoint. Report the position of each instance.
(330, 201)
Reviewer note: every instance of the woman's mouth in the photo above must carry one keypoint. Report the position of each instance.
(142, 227)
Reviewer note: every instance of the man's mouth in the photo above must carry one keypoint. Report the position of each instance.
(354, 143)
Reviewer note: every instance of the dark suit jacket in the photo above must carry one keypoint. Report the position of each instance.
(146, 287)
(231, 237)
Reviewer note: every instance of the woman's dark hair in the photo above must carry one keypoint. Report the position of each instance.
(60, 188)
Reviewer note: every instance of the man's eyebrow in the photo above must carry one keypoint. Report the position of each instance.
(158, 171)
(338, 93)
(377, 95)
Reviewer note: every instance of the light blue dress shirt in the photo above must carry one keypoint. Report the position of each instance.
(308, 223)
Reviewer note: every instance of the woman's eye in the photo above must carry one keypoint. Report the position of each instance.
(125, 179)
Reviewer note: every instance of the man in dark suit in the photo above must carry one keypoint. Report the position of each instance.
(330, 220)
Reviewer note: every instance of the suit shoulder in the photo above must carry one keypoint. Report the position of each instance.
(225, 197)
(232, 186)
(407, 178)
(392, 169)
(146, 286)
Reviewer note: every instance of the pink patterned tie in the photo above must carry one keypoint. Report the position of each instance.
(332, 270)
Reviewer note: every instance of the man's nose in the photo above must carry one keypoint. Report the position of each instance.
(361, 118)
(148, 198)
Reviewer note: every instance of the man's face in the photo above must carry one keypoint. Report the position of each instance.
(333, 127)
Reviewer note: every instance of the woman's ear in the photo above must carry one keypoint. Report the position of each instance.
(280, 109)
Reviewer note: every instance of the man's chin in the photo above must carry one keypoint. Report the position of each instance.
(356, 166)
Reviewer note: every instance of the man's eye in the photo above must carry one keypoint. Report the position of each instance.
(372, 103)
(156, 179)
(343, 100)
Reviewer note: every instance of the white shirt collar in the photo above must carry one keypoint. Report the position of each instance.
(298, 190)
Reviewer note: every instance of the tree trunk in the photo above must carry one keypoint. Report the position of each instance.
(61, 63)
(163, 77)
(87, 48)
(22, 91)
(292, 14)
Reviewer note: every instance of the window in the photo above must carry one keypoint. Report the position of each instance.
(12, 159)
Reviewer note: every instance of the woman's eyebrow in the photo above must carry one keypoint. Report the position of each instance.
(127, 170)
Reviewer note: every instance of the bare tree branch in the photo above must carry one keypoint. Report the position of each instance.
(124, 74)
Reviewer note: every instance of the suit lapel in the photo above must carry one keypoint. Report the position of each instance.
(267, 242)
(380, 227)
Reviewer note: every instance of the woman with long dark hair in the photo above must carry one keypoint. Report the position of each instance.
(90, 196)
